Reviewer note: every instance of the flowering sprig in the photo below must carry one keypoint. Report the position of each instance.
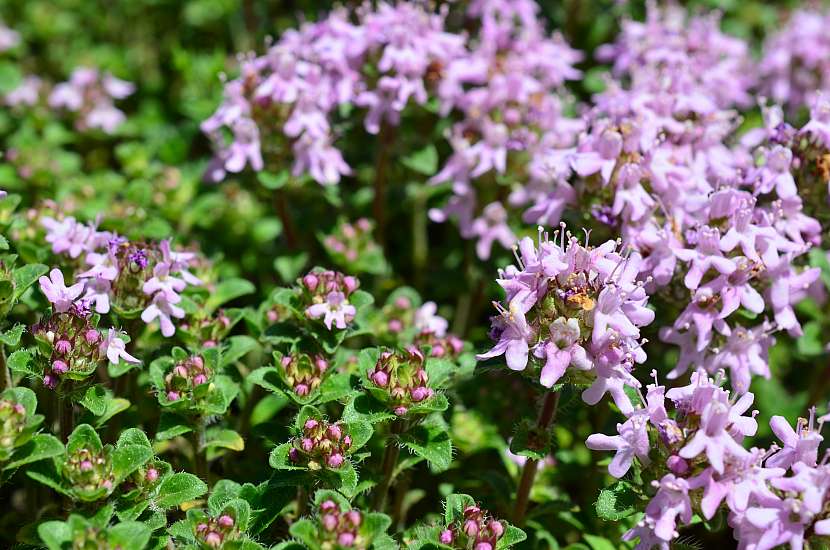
(352, 247)
(89, 94)
(97, 531)
(130, 278)
(20, 440)
(223, 525)
(578, 309)
(400, 381)
(303, 378)
(193, 384)
(466, 525)
(327, 295)
(335, 524)
(688, 441)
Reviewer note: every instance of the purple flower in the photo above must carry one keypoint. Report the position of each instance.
(115, 348)
(163, 307)
(335, 309)
(631, 442)
(57, 292)
(514, 337)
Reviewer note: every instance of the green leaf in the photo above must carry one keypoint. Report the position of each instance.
(178, 488)
(129, 535)
(456, 503)
(40, 447)
(228, 290)
(367, 408)
(20, 362)
(360, 432)
(528, 440)
(172, 425)
(424, 161)
(12, 336)
(25, 276)
(810, 344)
(129, 458)
(84, 437)
(114, 406)
(238, 347)
(95, 400)
(273, 181)
(278, 459)
(56, 535)
(616, 502)
(289, 267)
(431, 441)
(306, 531)
(512, 535)
(225, 439)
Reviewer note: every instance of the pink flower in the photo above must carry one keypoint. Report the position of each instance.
(57, 292)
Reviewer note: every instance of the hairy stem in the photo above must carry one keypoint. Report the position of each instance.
(66, 415)
(379, 206)
(546, 418)
(199, 443)
(288, 229)
(390, 459)
(302, 501)
(8, 382)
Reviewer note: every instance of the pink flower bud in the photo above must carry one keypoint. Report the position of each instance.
(285, 361)
(354, 517)
(20, 409)
(402, 302)
(301, 389)
(334, 432)
(677, 465)
(199, 379)
(328, 505)
(310, 424)
(380, 378)
(446, 536)
(496, 528)
(483, 546)
(272, 316)
(394, 325)
(197, 362)
(59, 366)
(311, 281)
(419, 394)
(335, 460)
(307, 444)
(397, 392)
(321, 364)
(293, 455)
(350, 283)
(85, 465)
(400, 411)
(438, 351)
(180, 371)
(92, 336)
(173, 395)
(209, 344)
(63, 347)
(213, 539)
(151, 475)
(329, 522)
(345, 539)
(470, 511)
(471, 527)
(50, 381)
(201, 528)
(347, 441)
(225, 521)
(107, 484)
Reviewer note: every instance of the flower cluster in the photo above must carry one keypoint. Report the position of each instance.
(475, 530)
(794, 65)
(90, 94)
(689, 441)
(351, 243)
(9, 38)
(189, 379)
(321, 444)
(303, 373)
(400, 378)
(124, 275)
(327, 295)
(338, 527)
(69, 339)
(214, 532)
(13, 424)
(573, 305)
(302, 80)
(89, 472)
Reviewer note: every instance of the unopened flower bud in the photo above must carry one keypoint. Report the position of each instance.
(59, 366)
(213, 539)
(311, 281)
(92, 336)
(677, 465)
(293, 454)
(380, 378)
(201, 528)
(347, 441)
(345, 539)
(483, 546)
(334, 432)
(496, 528)
(85, 465)
(197, 362)
(310, 424)
(151, 475)
(199, 379)
(180, 371)
(350, 283)
(329, 522)
(328, 505)
(400, 411)
(301, 389)
(225, 521)
(63, 347)
(307, 444)
(173, 395)
(471, 527)
(335, 460)
(419, 394)
(446, 536)
(354, 517)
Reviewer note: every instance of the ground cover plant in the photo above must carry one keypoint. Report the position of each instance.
(473, 275)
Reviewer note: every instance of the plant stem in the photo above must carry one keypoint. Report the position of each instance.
(288, 229)
(199, 442)
(302, 501)
(420, 238)
(390, 459)
(546, 417)
(8, 382)
(379, 205)
(66, 416)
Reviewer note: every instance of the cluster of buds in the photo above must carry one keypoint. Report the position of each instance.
(187, 378)
(477, 531)
(338, 528)
(207, 331)
(213, 532)
(88, 471)
(91, 538)
(143, 478)
(320, 444)
(402, 377)
(351, 241)
(12, 426)
(71, 343)
(399, 314)
(447, 346)
(304, 373)
(326, 294)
